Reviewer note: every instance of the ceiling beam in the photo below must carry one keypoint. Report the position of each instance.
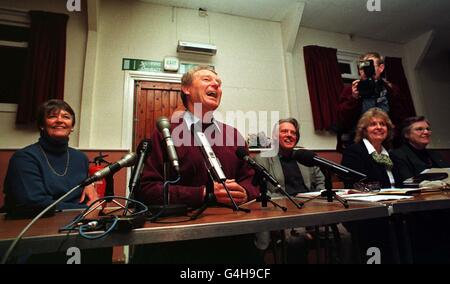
(418, 48)
(291, 24)
(92, 11)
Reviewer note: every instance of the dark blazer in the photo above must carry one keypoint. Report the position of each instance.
(312, 176)
(407, 164)
(357, 158)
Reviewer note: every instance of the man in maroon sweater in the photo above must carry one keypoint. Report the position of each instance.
(201, 93)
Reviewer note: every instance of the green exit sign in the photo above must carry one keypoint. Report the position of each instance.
(169, 64)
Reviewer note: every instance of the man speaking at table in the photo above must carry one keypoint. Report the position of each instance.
(201, 94)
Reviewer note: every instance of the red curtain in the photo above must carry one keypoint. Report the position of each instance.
(45, 67)
(396, 75)
(324, 84)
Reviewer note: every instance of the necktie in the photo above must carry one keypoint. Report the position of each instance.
(383, 159)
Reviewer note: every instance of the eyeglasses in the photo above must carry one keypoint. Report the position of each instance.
(422, 129)
(373, 186)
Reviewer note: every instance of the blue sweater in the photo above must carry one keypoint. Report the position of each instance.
(31, 183)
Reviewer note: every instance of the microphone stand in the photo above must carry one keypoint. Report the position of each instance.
(261, 180)
(328, 192)
(110, 199)
(107, 199)
(137, 172)
(299, 205)
(211, 200)
(262, 177)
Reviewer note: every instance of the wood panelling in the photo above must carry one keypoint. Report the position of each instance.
(120, 180)
(153, 99)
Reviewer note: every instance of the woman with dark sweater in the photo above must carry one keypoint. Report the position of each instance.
(44, 171)
(430, 229)
(412, 157)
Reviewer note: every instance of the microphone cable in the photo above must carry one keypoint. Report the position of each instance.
(153, 218)
(19, 237)
(108, 222)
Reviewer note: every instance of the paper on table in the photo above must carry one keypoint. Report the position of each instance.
(341, 192)
(398, 190)
(369, 197)
(377, 198)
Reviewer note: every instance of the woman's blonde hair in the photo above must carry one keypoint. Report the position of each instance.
(364, 122)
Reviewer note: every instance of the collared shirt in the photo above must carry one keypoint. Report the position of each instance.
(194, 176)
(190, 119)
(371, 149)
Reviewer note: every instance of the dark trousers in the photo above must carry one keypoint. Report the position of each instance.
(430, 236)
(373, 233)
(224, 250)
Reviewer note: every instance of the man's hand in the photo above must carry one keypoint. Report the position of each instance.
(355, 92)
(89, 192)
(237, 192)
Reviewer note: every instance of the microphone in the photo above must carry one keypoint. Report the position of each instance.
(163, 125)
(310, 159)
(144, 148)
(211, 159)
(126, 161)
(242, 154)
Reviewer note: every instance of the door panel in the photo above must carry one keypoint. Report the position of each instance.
(152, 100)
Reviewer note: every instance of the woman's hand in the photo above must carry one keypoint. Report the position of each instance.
(89, 192)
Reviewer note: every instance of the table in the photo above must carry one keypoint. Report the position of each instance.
(426, 201)
(214, 222)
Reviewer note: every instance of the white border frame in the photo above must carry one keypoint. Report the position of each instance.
(130, 77)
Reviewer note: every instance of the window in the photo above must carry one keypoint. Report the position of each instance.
(348, 66)
(14, 32)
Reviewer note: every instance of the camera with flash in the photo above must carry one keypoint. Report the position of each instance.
(366, 88)
(368, 67)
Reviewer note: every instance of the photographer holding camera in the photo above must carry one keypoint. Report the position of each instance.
(371, 90)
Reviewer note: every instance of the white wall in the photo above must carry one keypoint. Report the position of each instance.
(249, 58)
(250, 61)
(435, 84)
(76, 41)
(306, 36)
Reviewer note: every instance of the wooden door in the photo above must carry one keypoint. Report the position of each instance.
(152, 100)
